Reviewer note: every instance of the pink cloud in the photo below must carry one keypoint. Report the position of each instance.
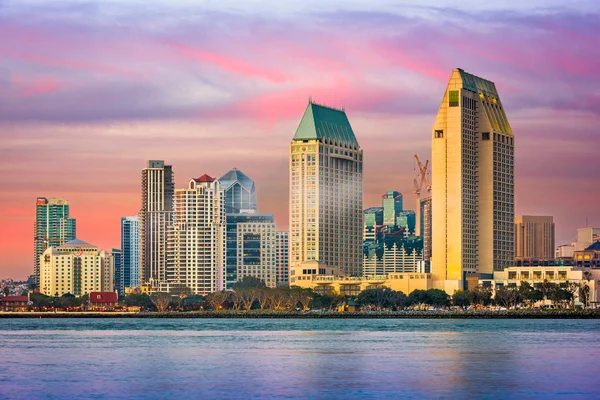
(28, 86)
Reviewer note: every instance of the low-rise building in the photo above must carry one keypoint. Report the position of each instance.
(588, 258)
(14, 303)
(103, 301)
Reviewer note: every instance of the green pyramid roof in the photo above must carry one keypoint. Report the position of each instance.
(320, 122)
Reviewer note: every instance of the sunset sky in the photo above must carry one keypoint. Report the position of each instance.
(89, 92)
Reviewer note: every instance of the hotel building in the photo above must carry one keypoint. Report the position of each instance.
(77, 268)
(326, 185)
(473, 183)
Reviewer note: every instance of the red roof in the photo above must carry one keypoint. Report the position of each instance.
(14, 298)
(104, 297)
(204, 178)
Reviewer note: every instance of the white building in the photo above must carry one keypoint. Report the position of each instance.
(393, 260)
(326, 188)
(196, 239)
(77, 268)
(585, 237)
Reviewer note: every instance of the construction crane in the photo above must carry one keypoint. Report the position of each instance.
(422, 178)
(421, 181)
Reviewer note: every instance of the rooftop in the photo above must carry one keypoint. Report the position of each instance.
(205, 178)
(235, 175)
(321, 122)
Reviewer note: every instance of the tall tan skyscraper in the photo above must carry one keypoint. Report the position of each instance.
(473, 183)
(154, 218)
(196, 239)
(326, 185)
(534, 237)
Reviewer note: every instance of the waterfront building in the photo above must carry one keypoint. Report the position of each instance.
(77, 268)
(196, 239)
(534, 237)
(325, 280)
(251, 248)
(154, 217)
(392, 206)
(391, 260)
(326, 181)
(240, 192)
(282, 258)
(424, 227)
(585, 237)
(473, 183)
(589, 257)
(117, 261)
(130, 247)
(373, 218)
(407, 220)
(53, 227)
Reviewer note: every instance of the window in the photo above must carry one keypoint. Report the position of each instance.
(485, 136)
(453, 98)
(439, 134)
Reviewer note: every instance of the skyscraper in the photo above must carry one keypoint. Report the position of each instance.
(424, 228)
(407, 220)
(130, 247)
(251, 247)
(326, 180)
(154, 218)
(282, 258)
(53, 227)
(534, 237)
(473, 183)
(240, 191)
(117, 262)
(196, 239)
(392, 206)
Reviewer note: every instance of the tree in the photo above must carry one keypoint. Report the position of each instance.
(418, 298)
(141, 300)
(279, 297)
(374, 297)
(507, 296)
(216, 299)
(460, 298)
(247, 297)
(481, 296)
(437, 298)
(161, 300)
(249, 282)
(302, 296)
(263, 296)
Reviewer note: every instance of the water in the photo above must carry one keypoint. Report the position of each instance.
(298, 359)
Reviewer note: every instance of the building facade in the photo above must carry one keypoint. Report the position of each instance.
(77, 268)
(589, 257)
(326, 181)
(373, 218)
(282, 255)
(117, 262)
(586, 237)
(240, 192)
(534, 237)
(196, 239)
(251, 248)
(53, 227)
(407, 220)
(424, 227)
(473, 183)
(130, 247)
(392, 207)
(394, 259)
(154, 218)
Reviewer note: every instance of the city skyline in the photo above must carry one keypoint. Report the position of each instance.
(391, 95)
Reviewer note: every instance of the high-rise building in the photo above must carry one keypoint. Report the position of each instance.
(251, 248)
(77, 268)
(373, 218)
(407, 220)
(392, 259)
(326, 180)
(473, 183)
(586, 237)
(117, 262)
(53, 227)
(240, 192)
(196, 239)
(154, 218)
(534, 237)
(392, 206)
(130, 247)
(282, 266)
(424, 227)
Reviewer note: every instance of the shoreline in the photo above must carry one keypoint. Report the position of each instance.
(517, 314)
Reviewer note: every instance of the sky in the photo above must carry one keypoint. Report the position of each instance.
(89, 91)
